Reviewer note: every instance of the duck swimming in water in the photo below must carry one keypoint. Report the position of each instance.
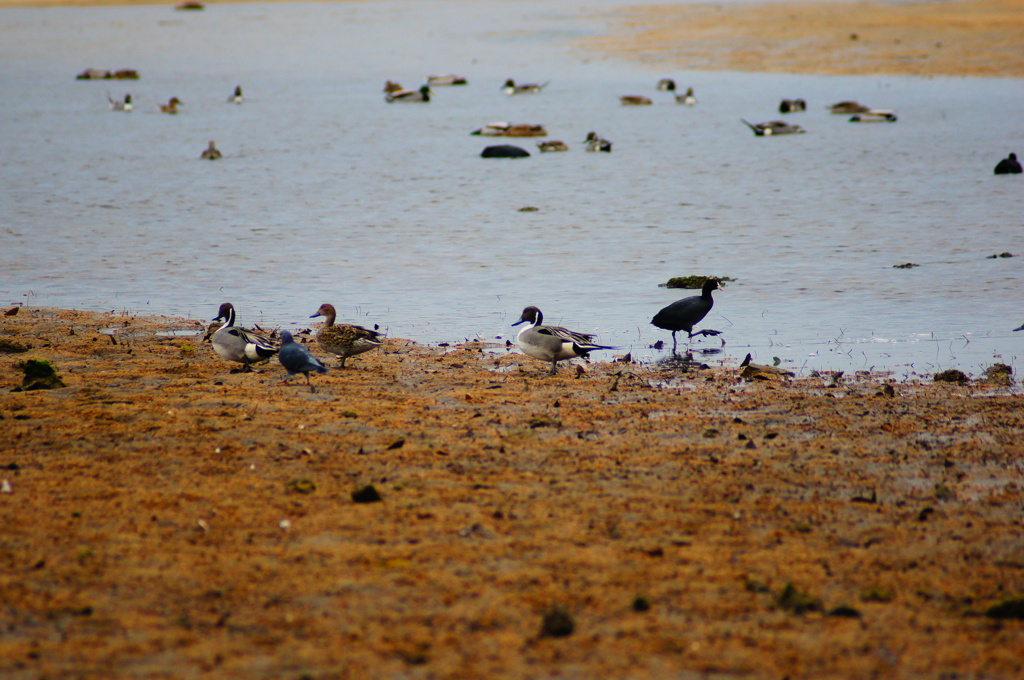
(510, 87)
(773, 128)
(1009, 166)
(116, 105)
(595, 143)
(171, 106)
(211, 153)
(420, 95)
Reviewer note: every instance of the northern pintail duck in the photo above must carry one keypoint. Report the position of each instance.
(116, 105)
(848, 107)
(211, 153)
(552, 145)
(552, 343)
(635, 100)
(1009, 166)
(504, 151)
(171, 106)
(687, 97)
(420, 95)
(237, 97)
(98, 74)
(502, 129)
(595, 143)
(773, 128)
(391, 86)
(667, 85)
(296, 359)
(792, 105)
(446, 79)
(683, 315)
(511, 88)
(234, 343)
(874, 116)
(344, 340)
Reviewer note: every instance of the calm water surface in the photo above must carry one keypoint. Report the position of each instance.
(328, 194)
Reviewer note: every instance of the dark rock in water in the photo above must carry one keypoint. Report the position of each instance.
(557, 623)
(999, 373)
(39, 375)
(1012, 608)
(998, 255)
(367, 494)
(504, 151)
(952, 376)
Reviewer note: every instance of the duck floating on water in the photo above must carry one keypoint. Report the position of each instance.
(874, 116)
(502, 129)
(391, 86)
(420, 95)
(792, 106)
(635, 100)
(236, 97)
(116, 105)
(344, 339)
(446, 80)
(171, 106)
(1009, 166)
(510, 87)
(552, 145)
(687, 97)
(683, 315)
(595, 143)
(846, 107)
(666, 85)
(211, 153)
(552, 343)
(237, 344)
(773, 128)
(504, 151)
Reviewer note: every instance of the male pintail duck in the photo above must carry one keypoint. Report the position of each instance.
(237, 97)
(552, 343)
(595, 143)
(420, 95)
(446, 79)
(511, 88)
(501, 129)
(686, 98)
(792, 105)
(683, 315)
(391, 86)
(171, 106)
(874, 116)
(846, 107)
(635, 100)
(1009, 166)
(667, 85)
(344, 340)
(775, 127)
(504, 151)
(211, 153)
(552, 145)
(296, 359)
(116, 105)
(234, 343)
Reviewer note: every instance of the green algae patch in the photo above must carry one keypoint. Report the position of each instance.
(39, 375)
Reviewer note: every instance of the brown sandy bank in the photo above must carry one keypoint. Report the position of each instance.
(164, 518)
(969, 38)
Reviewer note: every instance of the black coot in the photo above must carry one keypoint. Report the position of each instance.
(683, 315)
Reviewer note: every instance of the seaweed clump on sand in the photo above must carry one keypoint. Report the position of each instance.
(952, 376)
(39, 375)
(692, 281)
(1001, 374)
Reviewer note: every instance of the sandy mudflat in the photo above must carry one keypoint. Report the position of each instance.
(971, 38)
(156, 525)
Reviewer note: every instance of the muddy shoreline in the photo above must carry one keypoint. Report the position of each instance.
(167, 518)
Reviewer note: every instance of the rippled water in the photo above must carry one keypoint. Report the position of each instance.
(328, 194)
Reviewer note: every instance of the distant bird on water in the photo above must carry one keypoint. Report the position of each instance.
(595, 143)
(792, 105)
(774, 128)
(296, 359)
(552, 343)
(237, 97)
(667, 84)
(171, 106)
(635, 100)
(552, 145)
(683, 315)
(420, 95)
(504, 151)
(510, 87)
(344, 340)
(211, 153)
(687, 97)
(238, 344)
(1008, 166)
(116, 105)
(391, 86)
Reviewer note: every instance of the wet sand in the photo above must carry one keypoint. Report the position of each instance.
(972, 38)
(168, 518)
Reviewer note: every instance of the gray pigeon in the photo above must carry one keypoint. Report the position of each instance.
(296, 359)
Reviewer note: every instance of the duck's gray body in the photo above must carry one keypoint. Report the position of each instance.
(552, 343)
(403, 96)
(296, 359)
(237, 344)
(774, 128)
(683, 315)
(510, 87)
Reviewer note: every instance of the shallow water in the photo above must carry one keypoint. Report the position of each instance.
(328, 194)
